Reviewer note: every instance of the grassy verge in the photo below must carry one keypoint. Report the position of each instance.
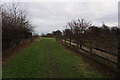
(47, 59)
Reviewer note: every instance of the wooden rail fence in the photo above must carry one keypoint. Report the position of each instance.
(110, 58)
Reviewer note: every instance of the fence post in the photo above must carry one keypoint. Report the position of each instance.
(77, 45)
(118, 56)
(90, 47)
(61, 39)
(70, 41)
(56, 38)
(118, 36)
(65, 40)
(80, 45)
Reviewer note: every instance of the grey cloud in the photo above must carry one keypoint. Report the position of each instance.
(53, 16)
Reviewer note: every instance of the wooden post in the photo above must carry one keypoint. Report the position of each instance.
(56, 38)
(80, 46)
(90, 47)
(118, 56)
(77, 45)
(70, 41)
(65, 40)
(118, 36)
(61, 39)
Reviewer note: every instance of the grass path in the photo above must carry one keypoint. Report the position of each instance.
(47, 59)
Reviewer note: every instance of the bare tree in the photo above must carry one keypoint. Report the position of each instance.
(15, 25)
(78, 28)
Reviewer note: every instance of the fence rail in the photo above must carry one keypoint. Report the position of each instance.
(91, 50)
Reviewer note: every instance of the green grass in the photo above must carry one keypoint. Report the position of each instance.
(47, 59)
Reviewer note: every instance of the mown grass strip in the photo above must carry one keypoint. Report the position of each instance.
(47, 59)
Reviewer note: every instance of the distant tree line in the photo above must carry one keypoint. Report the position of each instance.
(15, 25)
(54, 34)
(81, 29)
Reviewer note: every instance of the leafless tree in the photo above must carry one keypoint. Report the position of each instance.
(15, 24)
(78, 28)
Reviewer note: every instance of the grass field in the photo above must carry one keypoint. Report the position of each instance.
(47, 59)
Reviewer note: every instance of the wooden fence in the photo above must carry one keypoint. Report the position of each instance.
(108, 58)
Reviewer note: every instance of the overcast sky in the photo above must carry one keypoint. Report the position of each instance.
(53, 15)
